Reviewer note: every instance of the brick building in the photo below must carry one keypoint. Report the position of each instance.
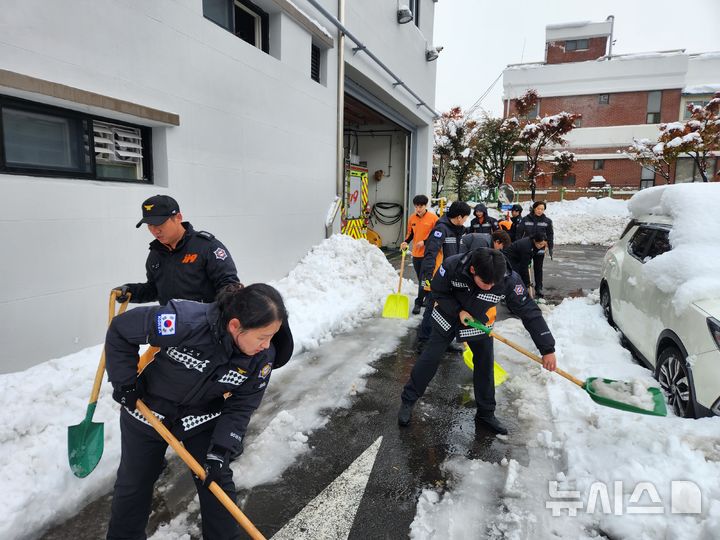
(620, 97)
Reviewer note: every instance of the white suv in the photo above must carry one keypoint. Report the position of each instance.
(683, 348)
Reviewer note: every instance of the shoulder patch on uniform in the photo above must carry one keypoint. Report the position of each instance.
(437, 234)
(166, 324)
(206, 235)
(220, 253)
(519, 289)
(265, 371)
(441, 271)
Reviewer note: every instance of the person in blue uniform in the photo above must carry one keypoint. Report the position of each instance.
(209, 376)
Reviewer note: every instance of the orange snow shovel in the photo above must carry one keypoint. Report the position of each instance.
(197, 469)
(85, 440)
(397, 305)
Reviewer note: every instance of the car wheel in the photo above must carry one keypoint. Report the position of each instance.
(676, 381)
(605, 304)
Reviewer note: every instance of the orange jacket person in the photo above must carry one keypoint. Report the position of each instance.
(419, 226)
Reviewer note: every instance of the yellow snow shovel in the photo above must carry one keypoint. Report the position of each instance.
(85, 440)
(397, 305)
(499, 374)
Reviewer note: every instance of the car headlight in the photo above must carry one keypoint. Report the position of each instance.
(714, 327)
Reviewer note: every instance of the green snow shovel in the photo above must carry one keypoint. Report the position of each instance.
(616, 394)
(397, 305)
(85, 440)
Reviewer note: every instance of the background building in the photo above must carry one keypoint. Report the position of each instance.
(620, 97)
(230, 106)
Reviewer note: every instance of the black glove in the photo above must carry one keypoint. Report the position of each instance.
(127, 395)
(216, 461)
(550, 252)
(123, 291)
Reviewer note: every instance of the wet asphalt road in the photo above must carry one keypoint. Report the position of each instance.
(409, 458)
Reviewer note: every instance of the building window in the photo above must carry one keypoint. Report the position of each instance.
(241, 17)
(568, 180)
(315, 63)
(699, 102)
(576, 45)
(49, 141)
(647, 177)
(598, 165)
(578, 122)
(604, 99)
(653, 107)
(686, 170)
(519, 169)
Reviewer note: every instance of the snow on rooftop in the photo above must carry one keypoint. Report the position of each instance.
(574, 24)
(702, 89)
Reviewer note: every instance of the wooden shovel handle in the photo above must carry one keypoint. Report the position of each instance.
(101, 366)
(491, 332)
(402, 269)
(197, 469)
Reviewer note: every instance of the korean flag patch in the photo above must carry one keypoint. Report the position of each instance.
(166, 324)
(437, 234)
(441, 270)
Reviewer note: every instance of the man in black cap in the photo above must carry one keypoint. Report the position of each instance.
(183, 263)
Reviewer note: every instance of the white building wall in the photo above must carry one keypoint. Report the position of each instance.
(253, 159)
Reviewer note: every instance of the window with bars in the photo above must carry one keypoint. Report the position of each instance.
(568, 180)
(49, 141)
(315, 63)
(604, 99)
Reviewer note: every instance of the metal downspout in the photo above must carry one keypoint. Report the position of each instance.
(341, 103)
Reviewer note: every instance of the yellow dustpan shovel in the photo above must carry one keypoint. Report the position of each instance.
(499, 373)
(397, 306)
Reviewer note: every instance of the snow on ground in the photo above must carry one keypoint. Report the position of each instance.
(586, 220)
(337, 286)
(590, 447)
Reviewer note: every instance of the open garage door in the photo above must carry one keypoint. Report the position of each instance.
(378, 148)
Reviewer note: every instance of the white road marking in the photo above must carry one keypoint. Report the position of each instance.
(331, 514)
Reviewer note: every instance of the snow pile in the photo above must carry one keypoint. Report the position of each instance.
(339, 284)
(690, 270)
(586, 220)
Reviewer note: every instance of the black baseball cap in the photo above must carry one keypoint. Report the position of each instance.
(158, 209)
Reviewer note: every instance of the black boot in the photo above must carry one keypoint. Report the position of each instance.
(490, 421)
(416, 309)
(405, 413)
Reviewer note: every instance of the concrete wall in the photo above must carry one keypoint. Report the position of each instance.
(253, 159)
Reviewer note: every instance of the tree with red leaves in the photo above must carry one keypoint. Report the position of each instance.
(697, 138)
(454, 150)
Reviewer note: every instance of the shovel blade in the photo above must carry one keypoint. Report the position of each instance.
(85, 445)
(397, 306)
(499, 374)
(623, 396)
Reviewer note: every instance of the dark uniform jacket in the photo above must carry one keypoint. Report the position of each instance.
(196, 269)
(520, 253)
(197, 364)
(472, 241)
(454, 289)
(443, 242)
(530, 225)
(489, 224)
(513, 228)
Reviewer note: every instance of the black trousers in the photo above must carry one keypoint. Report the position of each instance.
(423, 332)
(538, 259)
(140, 465)
(417, 264)
(523, 272)
(427, 364)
